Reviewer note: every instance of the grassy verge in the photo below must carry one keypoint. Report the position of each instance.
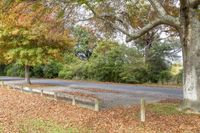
(44, 126)
(164, 108)
(37, 126)
(1, 128)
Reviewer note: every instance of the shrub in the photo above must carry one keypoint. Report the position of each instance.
(15, 70)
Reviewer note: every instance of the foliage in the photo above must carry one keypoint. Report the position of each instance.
(179, 77)
(159, 62)
(85, 42)
(165, 76)
(118, 63)
(28, 48)
(70, 67)
(2, 69)
(49, 70)
(14, 70)
(26, 38)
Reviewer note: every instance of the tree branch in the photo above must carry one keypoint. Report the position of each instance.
(144, 30)
(162, 14)
(103, 17)
(158, 7)
(163, 18)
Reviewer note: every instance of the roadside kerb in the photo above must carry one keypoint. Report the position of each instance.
(89, 103)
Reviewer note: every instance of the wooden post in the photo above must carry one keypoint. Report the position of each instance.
(22, 88)
(73, 100)
(31, 91)
(41, 93)
(2, 84)
(96, 108)
(12, 87)
(55, 96)
(142, 113)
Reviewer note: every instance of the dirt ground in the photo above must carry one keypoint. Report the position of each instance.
(17, 108)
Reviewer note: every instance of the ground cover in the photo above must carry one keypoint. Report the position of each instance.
(31, 113)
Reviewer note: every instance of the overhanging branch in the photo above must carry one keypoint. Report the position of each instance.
(163, 18)
(144, 30)
(162, 14)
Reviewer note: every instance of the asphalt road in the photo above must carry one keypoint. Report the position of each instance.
(131, 93)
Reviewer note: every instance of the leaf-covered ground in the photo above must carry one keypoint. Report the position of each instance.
(31, 113)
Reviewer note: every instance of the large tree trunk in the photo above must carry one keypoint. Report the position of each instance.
(190, 39)
(27, 74)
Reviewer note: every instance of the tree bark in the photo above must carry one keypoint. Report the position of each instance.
(27, 74)
(190, 39)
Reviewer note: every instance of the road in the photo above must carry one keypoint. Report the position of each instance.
(131, 94)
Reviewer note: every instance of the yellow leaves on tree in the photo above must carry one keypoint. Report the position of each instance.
(30, 34)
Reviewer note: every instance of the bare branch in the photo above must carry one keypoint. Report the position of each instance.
(85, 19)
(115, 26)
(144, 30)
(120, 20)
(158, 7)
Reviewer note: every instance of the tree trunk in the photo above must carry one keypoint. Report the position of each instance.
(27, 74)
(190, 39)
(149, 38)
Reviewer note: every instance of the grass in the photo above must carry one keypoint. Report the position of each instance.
(43, 126)
(1, 128)
(164, 108)
(38, 126)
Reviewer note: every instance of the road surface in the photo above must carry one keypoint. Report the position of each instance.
(130, 94)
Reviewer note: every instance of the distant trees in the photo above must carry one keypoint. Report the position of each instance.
(85, 42)
(113, 62)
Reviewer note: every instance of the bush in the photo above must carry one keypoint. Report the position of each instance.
(165, 76)
(51, 70)
(15, 70)
(66, 73)
(38, 71)
(136, 76)
(2, 69)
(179, 77)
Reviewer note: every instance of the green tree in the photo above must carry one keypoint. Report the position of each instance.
(85, 42)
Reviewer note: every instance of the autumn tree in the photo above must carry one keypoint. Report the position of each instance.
(30, 35)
